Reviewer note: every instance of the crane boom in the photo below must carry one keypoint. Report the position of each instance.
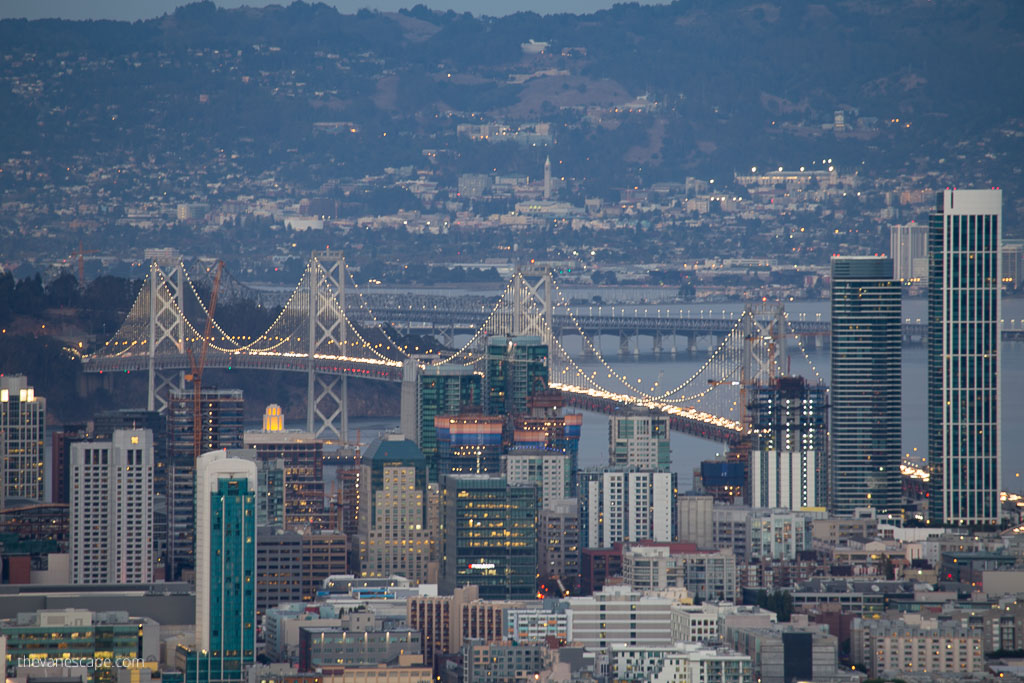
(199, 366)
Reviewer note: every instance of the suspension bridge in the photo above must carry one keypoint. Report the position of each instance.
(328, 331)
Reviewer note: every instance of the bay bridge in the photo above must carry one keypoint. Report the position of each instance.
(328, 331)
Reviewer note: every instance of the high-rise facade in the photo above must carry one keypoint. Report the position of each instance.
(222, 413)
(443, 390)
(301, 456)
(908, 246)
(225, 568)
(619, 505)
(489, 531)
(111, 509)
(867, 343)
(395, 536)
(468, 444)
(516, 369)
(964, 284)
(22, 429)
(788, 466)
(639, 438)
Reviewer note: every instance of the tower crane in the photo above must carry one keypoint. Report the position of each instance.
(197, 366)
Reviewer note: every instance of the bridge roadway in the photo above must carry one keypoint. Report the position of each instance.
(623, 321)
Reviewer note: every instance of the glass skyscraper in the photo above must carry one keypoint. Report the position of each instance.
(866, 385)
(963, 357)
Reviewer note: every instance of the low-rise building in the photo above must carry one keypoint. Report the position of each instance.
(678, 663)
(914, 644)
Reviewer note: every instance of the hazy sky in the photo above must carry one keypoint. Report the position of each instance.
(146, 9)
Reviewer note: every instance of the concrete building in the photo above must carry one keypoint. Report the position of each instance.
(706, 623)
(22, 431)
(394, 534)
(292, 566)
(618, 505)
(558, 536)
(678, 663)
(111, 523)
(693, 520)
(915, 644)
(786, 653)
(337, 649)
(705, 575)
(498, 662)
(538, 621)
(302, 456)
(964, 310)
(762, 534)
(908, 245)
(620, 615)
(549, 471)
(640, 439)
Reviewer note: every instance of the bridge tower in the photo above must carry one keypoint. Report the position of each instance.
(166, 327)
(327, 395)
(531, 304)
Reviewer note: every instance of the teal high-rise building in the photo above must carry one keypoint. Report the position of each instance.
(443, 390)
(516, 369)
(964, 286)
(867, 347)
(225, 569)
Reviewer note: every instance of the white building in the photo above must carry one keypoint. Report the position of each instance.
(620, 615)
(618, 505)
(639, 439)
(549, 471)
(678, 663)
(111, 524)
(22, 426)
(908, 246)
(705, 623)
(704, 575)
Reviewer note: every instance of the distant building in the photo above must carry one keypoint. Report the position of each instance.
(551, 472)
(468, 443)
(618, 505)
(620, 615)
(908, 245)
(867, 383)
(964, 436)
(788, 466)
(784, 653)
(678, 663)
(489, 536)
(559, 539)
(516, 369)
(639, 438)
(394, 534)
(915, 644)
(22, 430)
(705, 575)
(291, 567)
(443, 390)
(693, 520)
(112, 509)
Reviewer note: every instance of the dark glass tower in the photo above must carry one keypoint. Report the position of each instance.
(866, 385)
(517, 368)
(963, 357)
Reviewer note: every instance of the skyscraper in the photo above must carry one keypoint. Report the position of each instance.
(516, 369)
(788, 466)
(443, 390)
(623, 504)
(964, 283)
(394, 534)
(111, 523)
(639, 438)
(225, 568)
(908, 245)
(490, 536)
(22, 426)
(222, 414)
(866, 385)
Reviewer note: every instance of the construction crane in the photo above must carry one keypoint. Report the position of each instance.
(81, 261)
(196, 376)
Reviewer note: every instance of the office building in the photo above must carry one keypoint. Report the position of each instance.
(639, 438)
(443, 390)
(60, 460)
(469, 443)
(489, 531)
(222, 418)
(558, 533)
(22, 430)
(112, 509)
(225, 569)
(693, 515)
(866, 396)
(334, 650)
(912, 643)
(301, 454)
(394, 531)
(788, 466)
(705, 575)
(963, 357)
(678, 663)
(1013, 265)
(785, 653)
(550, 472)
(618, 505)
(908, 246)
(516, 369)
(620, 615)
(292, 566)
(500, 661)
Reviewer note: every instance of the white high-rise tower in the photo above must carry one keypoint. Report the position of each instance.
(547, 178)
